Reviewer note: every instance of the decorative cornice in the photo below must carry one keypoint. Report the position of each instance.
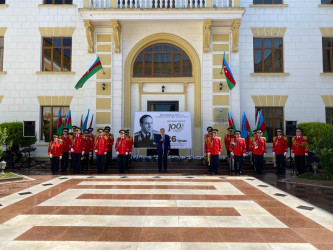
(269, 100)
(54, 100)
(326, 31)
(269, 74)
(268, 31)
(56, 31)
(90, 35)
(235, 33)
(116, 26)
(206, 35)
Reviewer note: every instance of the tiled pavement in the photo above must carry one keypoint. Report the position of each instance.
(168, 212)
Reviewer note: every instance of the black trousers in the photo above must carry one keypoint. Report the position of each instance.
(238, 164)
(280, 164)
(300, 164)
(108, 160)
(259, 163)
(214, 164)
(100, 163)
(121, 163)
(76, 161)
(85, 162)
(164, 158)
(64, 161)
(54, 164)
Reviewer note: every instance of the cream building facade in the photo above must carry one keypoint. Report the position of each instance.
(118, 32)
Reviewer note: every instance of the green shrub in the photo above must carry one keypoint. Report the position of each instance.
(3, 137)
(15, 135)
(320, 137)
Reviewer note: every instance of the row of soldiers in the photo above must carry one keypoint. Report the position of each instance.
(237, 148)
(82, 146)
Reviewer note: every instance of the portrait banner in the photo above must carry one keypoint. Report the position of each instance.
(177, 125)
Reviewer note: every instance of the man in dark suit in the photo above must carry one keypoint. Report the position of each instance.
(163, 148)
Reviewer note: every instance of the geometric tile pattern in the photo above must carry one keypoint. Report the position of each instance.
(168, 212)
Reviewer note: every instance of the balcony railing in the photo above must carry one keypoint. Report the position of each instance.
(158, 4)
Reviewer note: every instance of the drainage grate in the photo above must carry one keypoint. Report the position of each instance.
(124, 177)
(47, 184)
(189, 177)
(24, 193)
(305, 208)
(157, 177)
(264, 186)
(63, 178)
(282, 195)
(250, 179)
(91, 177)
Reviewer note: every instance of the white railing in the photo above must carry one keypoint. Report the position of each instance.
(159, 4)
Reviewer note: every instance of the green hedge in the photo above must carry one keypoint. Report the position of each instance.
(320, 137)
(15, 135)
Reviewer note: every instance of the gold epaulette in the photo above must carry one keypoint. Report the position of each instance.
(274, 138)
(285, 138)
(264, 138)
(105, 137)
(219, 138)
(305, 137)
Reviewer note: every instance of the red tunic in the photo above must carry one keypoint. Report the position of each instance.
(280, 145)
(66, 144)
(101, 145)
(130, 143)
(300, 146)
(78, 144)
(88, 144)
(206, 138)
(214, 145)
(110, 142)
(227, 140)
(258, 146)
(121, 146)
(239, 147)
(55, 148)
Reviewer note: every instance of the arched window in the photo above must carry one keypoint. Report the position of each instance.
(162, 60)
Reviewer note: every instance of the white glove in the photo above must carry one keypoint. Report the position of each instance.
(273, 153)
(264, 154)
(69, 151)
(306, 154)
(60, 157)
(117, 153)
(285, 153)
(72, 149)
(105, 153)
(293, 155)
(96, 150)
(82, 152)
(51, 155)
(90, 154)
(244, 154)
(126, 153)
(232, 153)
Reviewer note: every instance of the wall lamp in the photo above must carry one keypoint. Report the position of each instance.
(103, 86)
(163, 87)
(221, 86)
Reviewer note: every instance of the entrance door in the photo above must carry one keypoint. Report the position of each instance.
(163, 106)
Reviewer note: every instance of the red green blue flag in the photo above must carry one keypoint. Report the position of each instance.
(91, 122)
(231, 123)
(261, 124)
(91, 71)
(84, 127)
(81, 123)
(69, 120)
(59, 125)
(246, 130)
(228, 75)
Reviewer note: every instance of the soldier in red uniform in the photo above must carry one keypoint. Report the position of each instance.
(280, 149)
(227, 139)
(77, 150)
(258, 149)
(66, 149)
(207, 140)
(91, 135)
(101, 149)
(214, 148)
(130, 147)
(237, 151)
(110, 140)
(55, 153)
(299, 150)
(87, 148)
(121, 148)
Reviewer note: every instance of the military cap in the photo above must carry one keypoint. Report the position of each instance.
(55, 136)
(237, 132)
(259, 131)
(73, 127)
(106, 130)
(210, 132)
(215, 130)
(78, 129)
(99, 130)
(279, 130)
(230, 128)
(209, 128)
(299, 129)
(126, 131)
(121, 131)
(254, 131)
(85, 131)
(107, 127)
(65, 129)
(90, 129)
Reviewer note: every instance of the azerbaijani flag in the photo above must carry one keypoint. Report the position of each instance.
(81, 123)
(231, 123)
(91, 122)
(246, 131)
(60, 125)
(84, 127)
(69, 120)
(65, 124)
(228, 75)
(261, 124)
(91, 71)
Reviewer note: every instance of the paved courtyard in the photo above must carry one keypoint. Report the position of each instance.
(160, 212)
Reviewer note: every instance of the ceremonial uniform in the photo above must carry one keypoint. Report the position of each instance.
(55, 152)
(90, 130)
(238, 149)
(142, 140)
(214, 148)
(130, 148)
(101, 148)
(77, 152)
(88, 147)
(122, 149)
(227, 139)
(66, 149)
(258, 149)
(300, 150)
(207, 154)
(280, 149)
(108, 157)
